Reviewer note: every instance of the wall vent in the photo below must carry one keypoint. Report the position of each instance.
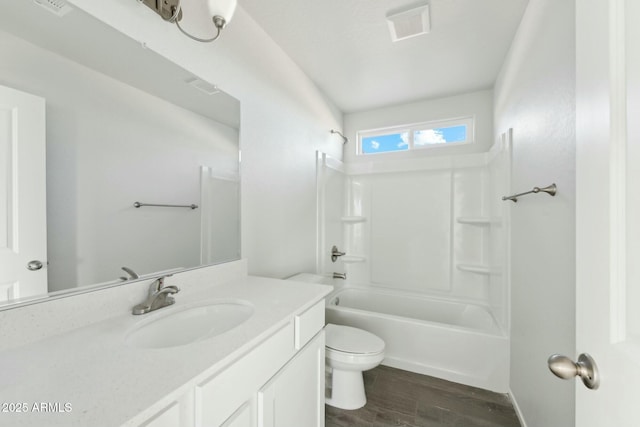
(409, 23)
(57, 7)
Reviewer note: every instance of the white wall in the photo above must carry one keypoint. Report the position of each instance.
(285, 119)
(109, 145)
(478, 104)
(535, 95)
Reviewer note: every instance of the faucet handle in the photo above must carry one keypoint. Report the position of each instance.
(132, 274)
(335, 253)
(158, 284)
(171, 289)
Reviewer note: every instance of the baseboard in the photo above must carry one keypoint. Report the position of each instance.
(516, 407)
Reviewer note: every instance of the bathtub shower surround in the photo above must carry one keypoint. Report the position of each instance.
(330, 185)
(426, 246)
(454, 341)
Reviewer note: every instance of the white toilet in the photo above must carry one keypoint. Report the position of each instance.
(349, 352)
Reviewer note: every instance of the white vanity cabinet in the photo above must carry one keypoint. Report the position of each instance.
(278, 383)
(295, 395)
(168, 417)
(179, 412)
(219, 397)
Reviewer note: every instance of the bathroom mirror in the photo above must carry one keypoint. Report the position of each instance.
(123, 125)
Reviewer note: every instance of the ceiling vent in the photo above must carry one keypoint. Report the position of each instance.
(409, 23)
(57, 7)
(203, 86)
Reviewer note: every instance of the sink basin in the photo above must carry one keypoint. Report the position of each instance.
(189, 325)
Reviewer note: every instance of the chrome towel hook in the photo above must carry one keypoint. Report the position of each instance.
(550, 190)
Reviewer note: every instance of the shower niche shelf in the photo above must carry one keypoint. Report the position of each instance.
(353, 259)
(474, 220)
(353, 219)
(475, 268)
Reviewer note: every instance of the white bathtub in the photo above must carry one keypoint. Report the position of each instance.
(450, 340)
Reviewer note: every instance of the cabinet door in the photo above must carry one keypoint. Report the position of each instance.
(169, 412)
(168, 417)
(219, 398)
(243, 417)
(294, 397)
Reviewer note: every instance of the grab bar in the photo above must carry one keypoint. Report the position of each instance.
(550, 190)
(138, 205)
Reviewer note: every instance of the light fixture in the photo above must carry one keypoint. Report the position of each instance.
(221, 12)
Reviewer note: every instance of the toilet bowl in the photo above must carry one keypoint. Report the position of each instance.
(349, 352)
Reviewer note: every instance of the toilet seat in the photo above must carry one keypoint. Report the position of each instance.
(352, 341)
(362, 362)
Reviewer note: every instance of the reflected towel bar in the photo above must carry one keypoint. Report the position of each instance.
(550, 190)
(139, 205)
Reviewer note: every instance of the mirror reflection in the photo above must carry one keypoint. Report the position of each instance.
(117, 124)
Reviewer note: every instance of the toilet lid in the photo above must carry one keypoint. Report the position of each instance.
(352, 340)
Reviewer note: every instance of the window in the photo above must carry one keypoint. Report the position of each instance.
(416, 136)
(384, 143)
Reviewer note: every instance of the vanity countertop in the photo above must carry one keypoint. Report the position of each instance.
(89, 377)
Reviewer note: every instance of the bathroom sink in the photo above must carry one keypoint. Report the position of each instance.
(189, 325)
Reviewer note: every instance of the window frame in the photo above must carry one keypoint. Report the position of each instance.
(468, 121)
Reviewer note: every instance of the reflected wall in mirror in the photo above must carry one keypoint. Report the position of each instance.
(123, 125)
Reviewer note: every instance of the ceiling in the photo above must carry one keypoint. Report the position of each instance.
(344, 46)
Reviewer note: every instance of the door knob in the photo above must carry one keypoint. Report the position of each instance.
(585, 368)
(34, 265)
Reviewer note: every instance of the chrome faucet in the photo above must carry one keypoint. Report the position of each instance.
(342, 276)
(158, 297)
(335, 253)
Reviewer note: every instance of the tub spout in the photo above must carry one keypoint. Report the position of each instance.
(342, 276)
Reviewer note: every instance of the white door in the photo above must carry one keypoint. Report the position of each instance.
(608, 209)
(23, 230)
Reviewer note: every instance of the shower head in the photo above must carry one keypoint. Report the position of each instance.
(344, 138)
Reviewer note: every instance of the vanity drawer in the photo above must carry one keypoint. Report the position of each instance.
(220, 396)
(308, 323)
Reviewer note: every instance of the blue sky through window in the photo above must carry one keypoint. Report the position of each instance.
(440, 135)
(417, 136)
(385, 143)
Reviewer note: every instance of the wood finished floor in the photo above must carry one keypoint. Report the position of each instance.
(399, 398)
